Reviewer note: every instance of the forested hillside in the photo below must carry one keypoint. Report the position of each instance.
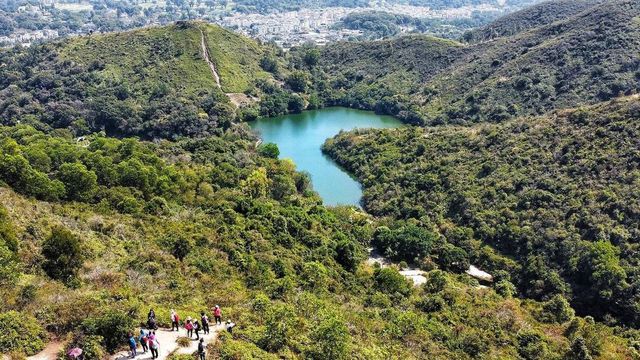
(559, 194)
(581, 59)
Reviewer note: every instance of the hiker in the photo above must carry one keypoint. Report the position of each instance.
(217, 314)
(205, 323)
(175, 320)
(151, 320)
(153, 345)
(132, 345)
(201, 349)
(230, 326)
(189, 326)
(196, 328)
(144, 338)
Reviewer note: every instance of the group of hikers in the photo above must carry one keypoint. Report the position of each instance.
(149, 341)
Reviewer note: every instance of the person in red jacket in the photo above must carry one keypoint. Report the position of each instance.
(217, 314)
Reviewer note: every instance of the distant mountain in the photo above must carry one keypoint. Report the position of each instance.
(531, 17)
(585, 58)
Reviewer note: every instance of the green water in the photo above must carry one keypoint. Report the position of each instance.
(300, 137)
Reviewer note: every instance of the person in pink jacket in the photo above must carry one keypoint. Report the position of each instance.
(217, 314)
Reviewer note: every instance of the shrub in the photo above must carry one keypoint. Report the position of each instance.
(91, 346)
(113, 327)
(62, 251)
(21, 332)
(531, 345)
(279, 327)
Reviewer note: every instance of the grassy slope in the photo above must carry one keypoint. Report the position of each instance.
(237, 59)
(147, 57)
(575, 61)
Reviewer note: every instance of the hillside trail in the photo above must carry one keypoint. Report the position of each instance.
(169, 346)
(207, 58)
(238, 99)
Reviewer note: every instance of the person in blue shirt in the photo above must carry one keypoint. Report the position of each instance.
(133, 345)
(143, 339)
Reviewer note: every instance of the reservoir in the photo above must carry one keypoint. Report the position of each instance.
(300, 137)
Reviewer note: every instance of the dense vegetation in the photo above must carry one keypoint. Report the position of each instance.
(583, 59)
(96, 226)
(143, 224)
(558, 194)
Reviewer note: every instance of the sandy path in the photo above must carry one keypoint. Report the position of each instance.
(50, 352)
(205, 56)
(167, 340)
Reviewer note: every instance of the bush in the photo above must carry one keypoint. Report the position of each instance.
(113, 327)
(21, 332)
(330, 340)
(91, 346)
(183, 341)
(62, 251)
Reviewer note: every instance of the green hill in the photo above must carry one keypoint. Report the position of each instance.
(153, 82)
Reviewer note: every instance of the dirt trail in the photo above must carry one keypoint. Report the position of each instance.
(50, 352)
(168, 345)
(207, 58)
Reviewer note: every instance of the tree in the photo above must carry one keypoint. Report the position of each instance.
(347, 254)
(79, 182)
(269, 150)
(557, 309)
(181, 247)
(579, 350)
(390, 281)
(63, 254)
(311, 57)
(454, 259)
(298, 81)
